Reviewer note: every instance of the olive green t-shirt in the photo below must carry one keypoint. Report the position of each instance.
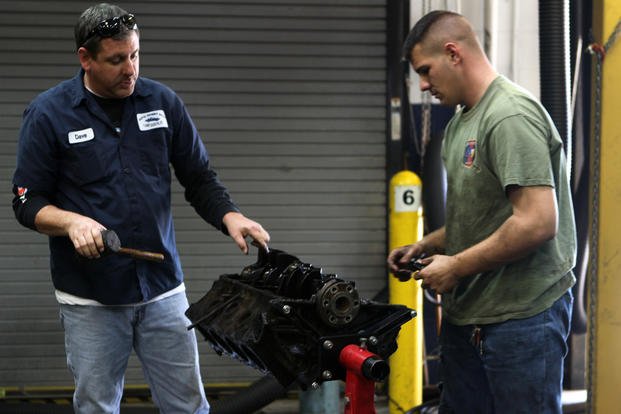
(506, 139)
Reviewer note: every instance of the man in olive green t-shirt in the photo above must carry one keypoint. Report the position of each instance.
(503, 262)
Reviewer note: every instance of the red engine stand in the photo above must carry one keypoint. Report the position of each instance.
(363, 368)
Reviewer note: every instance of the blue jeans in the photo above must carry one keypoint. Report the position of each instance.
(510, 367)
(99, 341)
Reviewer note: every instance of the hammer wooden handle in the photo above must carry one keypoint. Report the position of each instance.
(140, 254)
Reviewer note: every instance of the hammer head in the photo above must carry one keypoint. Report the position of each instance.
(111, 240)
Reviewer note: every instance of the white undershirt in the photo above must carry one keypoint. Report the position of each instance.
(69, 299)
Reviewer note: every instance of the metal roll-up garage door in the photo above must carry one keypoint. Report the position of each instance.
(290, 99)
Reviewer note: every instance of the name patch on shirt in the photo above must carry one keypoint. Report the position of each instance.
(83, 135)
(152, 120)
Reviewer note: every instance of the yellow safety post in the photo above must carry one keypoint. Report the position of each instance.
(405, 383)
(604, 365)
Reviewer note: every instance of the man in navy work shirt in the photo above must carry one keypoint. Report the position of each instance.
(95, 153)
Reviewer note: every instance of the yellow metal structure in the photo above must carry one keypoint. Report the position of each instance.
(606, 363)
(405, 384)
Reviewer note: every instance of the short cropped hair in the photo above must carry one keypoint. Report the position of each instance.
(421, 29)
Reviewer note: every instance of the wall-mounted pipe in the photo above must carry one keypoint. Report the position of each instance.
(554, 65)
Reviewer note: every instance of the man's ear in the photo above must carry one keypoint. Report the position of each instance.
(85, 58)
(453, 52)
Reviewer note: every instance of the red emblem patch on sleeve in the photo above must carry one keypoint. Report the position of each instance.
(21, 193)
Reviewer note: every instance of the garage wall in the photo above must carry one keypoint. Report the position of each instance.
(289, 96)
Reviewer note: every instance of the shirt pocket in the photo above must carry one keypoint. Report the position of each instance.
(86, 163)
(153, 150)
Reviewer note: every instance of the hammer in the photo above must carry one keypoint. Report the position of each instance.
(112, 243)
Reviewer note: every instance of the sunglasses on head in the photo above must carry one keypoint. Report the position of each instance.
(112, 26)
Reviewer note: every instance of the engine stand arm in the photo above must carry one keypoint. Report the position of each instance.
(363, 368)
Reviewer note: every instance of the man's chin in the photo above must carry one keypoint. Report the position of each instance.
(438, 99)
(124, 92)
(445, 102)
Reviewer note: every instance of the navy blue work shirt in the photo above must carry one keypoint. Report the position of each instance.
(72, 156)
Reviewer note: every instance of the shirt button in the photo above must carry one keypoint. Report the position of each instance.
(126, 170)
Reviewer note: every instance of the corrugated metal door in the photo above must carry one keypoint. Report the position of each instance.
(289, 96)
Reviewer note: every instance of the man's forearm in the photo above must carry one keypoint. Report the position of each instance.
(434, 242)
(53, 221)
(84, 232)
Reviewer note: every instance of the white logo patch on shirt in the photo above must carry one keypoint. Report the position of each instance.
(152, 120)
(83, 135)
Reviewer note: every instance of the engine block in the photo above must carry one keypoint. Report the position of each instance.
(287, 318)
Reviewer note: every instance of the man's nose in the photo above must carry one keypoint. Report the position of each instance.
(423, 84)
(129, 68)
